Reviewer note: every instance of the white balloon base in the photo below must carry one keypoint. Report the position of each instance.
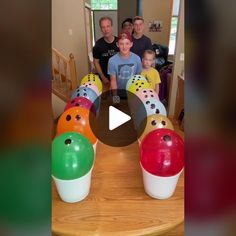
(157, 186)
(74, 190)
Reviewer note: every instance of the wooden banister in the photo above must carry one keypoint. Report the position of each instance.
(64, 80)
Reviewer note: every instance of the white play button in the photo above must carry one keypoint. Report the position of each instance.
(117, 118)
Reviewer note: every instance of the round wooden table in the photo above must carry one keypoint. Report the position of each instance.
(117, 203)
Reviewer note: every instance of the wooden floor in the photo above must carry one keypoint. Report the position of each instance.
(117, 204)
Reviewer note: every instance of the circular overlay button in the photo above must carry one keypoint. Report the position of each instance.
(121, 118)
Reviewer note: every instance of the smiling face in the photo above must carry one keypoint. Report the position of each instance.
(106, 28)
(124, 45)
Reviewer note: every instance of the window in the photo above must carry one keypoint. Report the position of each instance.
(104, 4)
(173, 29)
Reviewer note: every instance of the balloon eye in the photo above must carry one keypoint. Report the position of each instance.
(85, 94)
(77, 104)
(147, 102)
(68, 117)
(144, 91)
(157, 111)
(163, 122)
(78, 94)
(137, 90)
(166, 138)
(72, 101)
(154, 123)
(152, 96)
(146, 96)
(78, 117)
(153, 106)
(68, 141)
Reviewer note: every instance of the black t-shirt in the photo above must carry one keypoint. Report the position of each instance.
(140, 45)
(103, 51)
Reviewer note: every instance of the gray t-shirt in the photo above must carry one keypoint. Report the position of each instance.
(140, 45)
(124, 68)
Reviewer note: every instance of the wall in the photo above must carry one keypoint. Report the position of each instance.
(70, 15)
(158, 10)
(126, 9)
(178, 64)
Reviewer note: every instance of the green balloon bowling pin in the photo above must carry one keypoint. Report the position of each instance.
(72, 156)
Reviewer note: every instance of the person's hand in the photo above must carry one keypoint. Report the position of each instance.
(105, 80)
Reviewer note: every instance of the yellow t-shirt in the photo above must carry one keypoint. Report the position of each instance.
(152, 76)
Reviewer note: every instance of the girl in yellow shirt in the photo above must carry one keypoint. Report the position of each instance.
(150, 73)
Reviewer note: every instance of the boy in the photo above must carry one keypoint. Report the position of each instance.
(124, 64)
(150, 73)
(140, 41)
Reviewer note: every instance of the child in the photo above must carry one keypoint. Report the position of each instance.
(150, 73)
(123, 65)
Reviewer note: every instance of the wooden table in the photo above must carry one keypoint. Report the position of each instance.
(117, 203)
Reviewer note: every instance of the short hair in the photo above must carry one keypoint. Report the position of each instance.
(105, 18)
(138, 18)
(127, 20)
(150, 52)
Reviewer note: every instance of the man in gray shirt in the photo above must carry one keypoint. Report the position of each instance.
(140, 41)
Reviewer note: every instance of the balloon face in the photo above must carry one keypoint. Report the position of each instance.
(145, 94)
(81, 102)
(138, 85)
(94, 79)
(133, 79)
(87, 93)
(162, 153)
(76, 119)
(156, 122)
(152, 106)
(72, 156)
(92, 86)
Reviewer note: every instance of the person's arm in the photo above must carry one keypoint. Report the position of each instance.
(139, 66)
(157, 89)
(99, 71)
(113, 83)
(157, 81)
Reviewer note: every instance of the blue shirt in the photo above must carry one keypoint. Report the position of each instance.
(124, 68)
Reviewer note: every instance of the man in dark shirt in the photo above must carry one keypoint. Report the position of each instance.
(140, 41)
(104, 48)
